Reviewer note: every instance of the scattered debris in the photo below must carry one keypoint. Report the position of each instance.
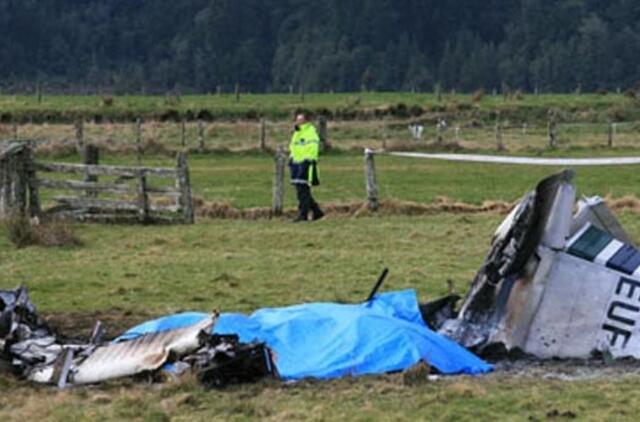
(320, 340)
(33, 351)
(555, 284)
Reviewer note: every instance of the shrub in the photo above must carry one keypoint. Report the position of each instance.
(107, 101)
(20, 231)
(23, 232)
(478, 95)
(602, 91)
(56, 233)
(630, 93)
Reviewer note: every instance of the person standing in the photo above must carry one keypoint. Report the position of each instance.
(303, 165)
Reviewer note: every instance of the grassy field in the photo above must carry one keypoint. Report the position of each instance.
(127, 274)
(140, 272)
(355, 120)
(586, 107)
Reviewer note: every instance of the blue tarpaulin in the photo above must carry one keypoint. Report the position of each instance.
(329, 340)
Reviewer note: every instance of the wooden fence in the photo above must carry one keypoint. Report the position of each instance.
(18, 193)
(130, 197)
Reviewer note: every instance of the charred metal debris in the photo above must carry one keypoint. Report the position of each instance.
(30, 349)
(561, 280)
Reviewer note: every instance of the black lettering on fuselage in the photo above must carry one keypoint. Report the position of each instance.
(621, 316)
(631, 283)
(615, 332)
(612, 315)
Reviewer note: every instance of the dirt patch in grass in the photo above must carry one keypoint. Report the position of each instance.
(78, 325)
(568, 369)
(627, 202)
(386, 207)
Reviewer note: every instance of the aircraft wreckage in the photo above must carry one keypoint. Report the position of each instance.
(561, 280)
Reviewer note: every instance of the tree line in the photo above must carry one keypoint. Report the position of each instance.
(156, 46)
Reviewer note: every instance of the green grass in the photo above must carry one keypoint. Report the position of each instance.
(349, 105)
(241, 266)
(132, 273)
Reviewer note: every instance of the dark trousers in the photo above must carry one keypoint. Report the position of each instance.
(306, 202)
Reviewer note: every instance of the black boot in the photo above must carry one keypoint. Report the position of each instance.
(317, 214)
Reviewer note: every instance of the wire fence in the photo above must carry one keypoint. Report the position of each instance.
(342, 135)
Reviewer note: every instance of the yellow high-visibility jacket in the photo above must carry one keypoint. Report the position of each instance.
(303, 155)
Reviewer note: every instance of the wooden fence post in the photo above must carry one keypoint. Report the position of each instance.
(200, 136)
(610, 134)
(278, 181)
(183, 134)
(91, 156)
(21, 182)
(184, 185)
(139, 141)
(385, 133)
(32, 183)
(263, 134)
(322, 133)
(17, 180)
(499, 143)
(79, 135)
(370, 180)
(143, 199)
(551, 130)
(237, 91)
(439, 131)
(14, 130)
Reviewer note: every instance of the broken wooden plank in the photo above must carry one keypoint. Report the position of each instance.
(80, 185)
(105, 204)
(117, 218)
(104, 170)
(111, 205)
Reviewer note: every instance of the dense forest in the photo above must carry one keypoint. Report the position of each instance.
(156, 46)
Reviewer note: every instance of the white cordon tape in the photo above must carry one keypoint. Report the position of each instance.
(497, 159)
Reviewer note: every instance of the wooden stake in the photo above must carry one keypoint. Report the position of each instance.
(200, 136)
(278, 181)
(183, 134)
(139, 141)
(263, 134)
(324, 142)
(184, 185)
(499, 143)
(91, 156)
(370, 180)
(80, 135)
(551, 130)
